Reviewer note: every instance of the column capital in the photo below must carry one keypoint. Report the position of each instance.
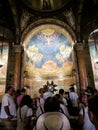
(79, 46)
(17, 48)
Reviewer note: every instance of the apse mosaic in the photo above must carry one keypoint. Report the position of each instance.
(48, 53)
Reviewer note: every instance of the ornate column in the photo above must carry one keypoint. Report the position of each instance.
(81, 69)
(17, 67)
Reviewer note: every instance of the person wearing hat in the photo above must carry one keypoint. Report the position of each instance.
(52, 119)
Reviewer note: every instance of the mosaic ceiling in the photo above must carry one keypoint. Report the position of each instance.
(48, 54)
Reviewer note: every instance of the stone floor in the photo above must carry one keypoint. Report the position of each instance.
(8, 125)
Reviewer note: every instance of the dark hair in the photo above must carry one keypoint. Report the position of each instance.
(61, 91)
(59, 97)
(66, 93)
(93, 105)
(9, 87)
(41, 90)
(26, 100)
(23, 90)
(89, 90)
(52, 104)
(81, 96)
(17, 92)
(72, 89)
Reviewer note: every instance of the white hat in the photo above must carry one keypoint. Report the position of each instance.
(52, 121)
(54, 124)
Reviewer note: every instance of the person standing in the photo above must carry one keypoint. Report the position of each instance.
(40, 102)
(61, 92)
(47, 93)
(83, 114)
(74, 97)
(63, 108)
(52, 119)
(40, 99)
(19, 98)
(93, 109)
(8, 106)
(24, 114)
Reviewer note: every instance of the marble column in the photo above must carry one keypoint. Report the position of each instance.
(88, 65)
(17, 67)
(81, 69)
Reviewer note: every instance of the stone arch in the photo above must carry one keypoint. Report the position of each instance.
(39, 25)
(52, 22)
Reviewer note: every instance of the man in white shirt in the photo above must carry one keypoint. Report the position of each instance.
(8, 107)
(73, 96)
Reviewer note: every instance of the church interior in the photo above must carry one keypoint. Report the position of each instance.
(54, 41)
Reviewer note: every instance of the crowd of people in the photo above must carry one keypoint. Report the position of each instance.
(49, 111)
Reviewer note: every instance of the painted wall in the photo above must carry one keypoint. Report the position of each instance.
(48, 56)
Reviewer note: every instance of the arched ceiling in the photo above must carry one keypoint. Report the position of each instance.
(45, 5)
(16, 15)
